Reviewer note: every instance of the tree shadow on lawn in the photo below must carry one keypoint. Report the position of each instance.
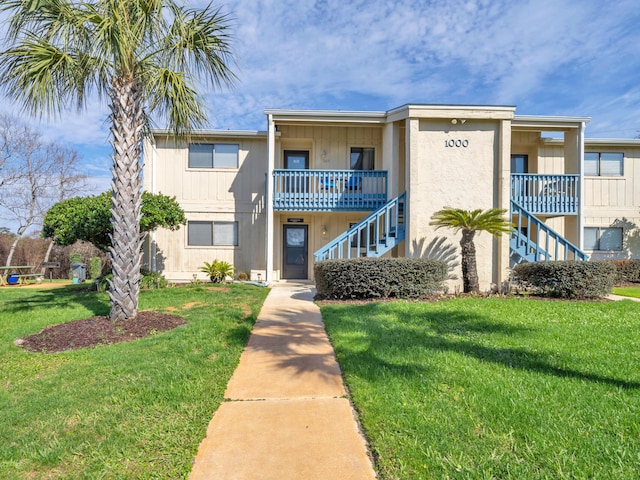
(62, 297)
(431, 333)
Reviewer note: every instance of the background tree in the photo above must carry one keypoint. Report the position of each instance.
(470, 222)
(144, 56)
(33, 176)
(89, 219)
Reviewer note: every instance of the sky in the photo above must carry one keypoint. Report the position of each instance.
(546, 57)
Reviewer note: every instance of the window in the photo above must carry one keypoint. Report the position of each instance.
(212, 234)
(603, 164)
(362, 158)
(519, 163)
(213, 155)
(596, 238)
(296, 159)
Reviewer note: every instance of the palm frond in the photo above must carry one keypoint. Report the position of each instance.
(171, 95)
(40, 75)
(199, 41)
(491, 220)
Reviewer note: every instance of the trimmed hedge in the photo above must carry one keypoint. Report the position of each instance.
(626, 270)
(359, 278)
(568, 279)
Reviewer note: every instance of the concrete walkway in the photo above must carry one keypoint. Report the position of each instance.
(620, 297)
(286, 414)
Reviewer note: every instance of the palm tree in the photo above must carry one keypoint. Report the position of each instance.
(143, 56)
(470, 222)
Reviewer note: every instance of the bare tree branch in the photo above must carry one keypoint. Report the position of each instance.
(33, 176)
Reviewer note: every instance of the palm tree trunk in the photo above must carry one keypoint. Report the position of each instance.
(125, 252)
(469, 267)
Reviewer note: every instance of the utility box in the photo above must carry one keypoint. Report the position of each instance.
(78, 272)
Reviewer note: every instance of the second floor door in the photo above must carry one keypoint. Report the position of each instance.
(296, 160)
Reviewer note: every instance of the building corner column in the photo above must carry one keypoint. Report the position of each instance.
(153, 247)
(504, 198)
(271, 146)
(580, 225)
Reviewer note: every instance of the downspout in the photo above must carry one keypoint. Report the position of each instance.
(271, 142)
(581, 186)
(152, 244)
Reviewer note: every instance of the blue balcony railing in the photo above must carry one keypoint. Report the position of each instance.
(329, 190)
(546, 194)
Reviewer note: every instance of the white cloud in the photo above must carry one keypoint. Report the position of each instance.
(544, 56)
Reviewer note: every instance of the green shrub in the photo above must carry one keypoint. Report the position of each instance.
(379, 277)
(568, 279)
(96, 267)
(101, 284)
(217, 270)
(626, 270)
(152, 280)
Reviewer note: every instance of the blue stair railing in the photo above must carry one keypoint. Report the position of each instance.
(374, 236)
(532, 240)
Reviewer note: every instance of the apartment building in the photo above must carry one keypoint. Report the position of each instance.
(340, 184)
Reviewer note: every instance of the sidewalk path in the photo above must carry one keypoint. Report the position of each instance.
(620, 297)
(286, 415)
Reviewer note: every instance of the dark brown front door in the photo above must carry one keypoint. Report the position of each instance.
(295, 258)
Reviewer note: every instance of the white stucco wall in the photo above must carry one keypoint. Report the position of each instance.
(454, 165)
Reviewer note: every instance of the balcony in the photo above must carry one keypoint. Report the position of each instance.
(546, 194)
(329, 190)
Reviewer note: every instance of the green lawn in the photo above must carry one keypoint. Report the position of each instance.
(128, 410)
(473, 388)
(633, 291)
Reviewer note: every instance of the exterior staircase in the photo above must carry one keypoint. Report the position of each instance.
(534, 241)
(374, 236)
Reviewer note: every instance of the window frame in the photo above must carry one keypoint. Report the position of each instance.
(524, 157)
(599, 233)
(212, 224)
(599, 164)
(362, 151)
(212, 147)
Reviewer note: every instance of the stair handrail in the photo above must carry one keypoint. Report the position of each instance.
(551, 233)
(323, 252)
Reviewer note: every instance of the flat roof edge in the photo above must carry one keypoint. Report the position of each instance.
(451, 106)
(633, 142)
(326, 113)
(217, 133)
(549, 119)
(613, 141)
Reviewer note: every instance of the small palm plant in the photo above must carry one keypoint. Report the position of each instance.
(470, 222)
(217, 270)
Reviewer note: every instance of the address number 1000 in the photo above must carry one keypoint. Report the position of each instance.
(456, 143)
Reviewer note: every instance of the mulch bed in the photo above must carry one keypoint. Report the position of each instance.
(93, 331)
